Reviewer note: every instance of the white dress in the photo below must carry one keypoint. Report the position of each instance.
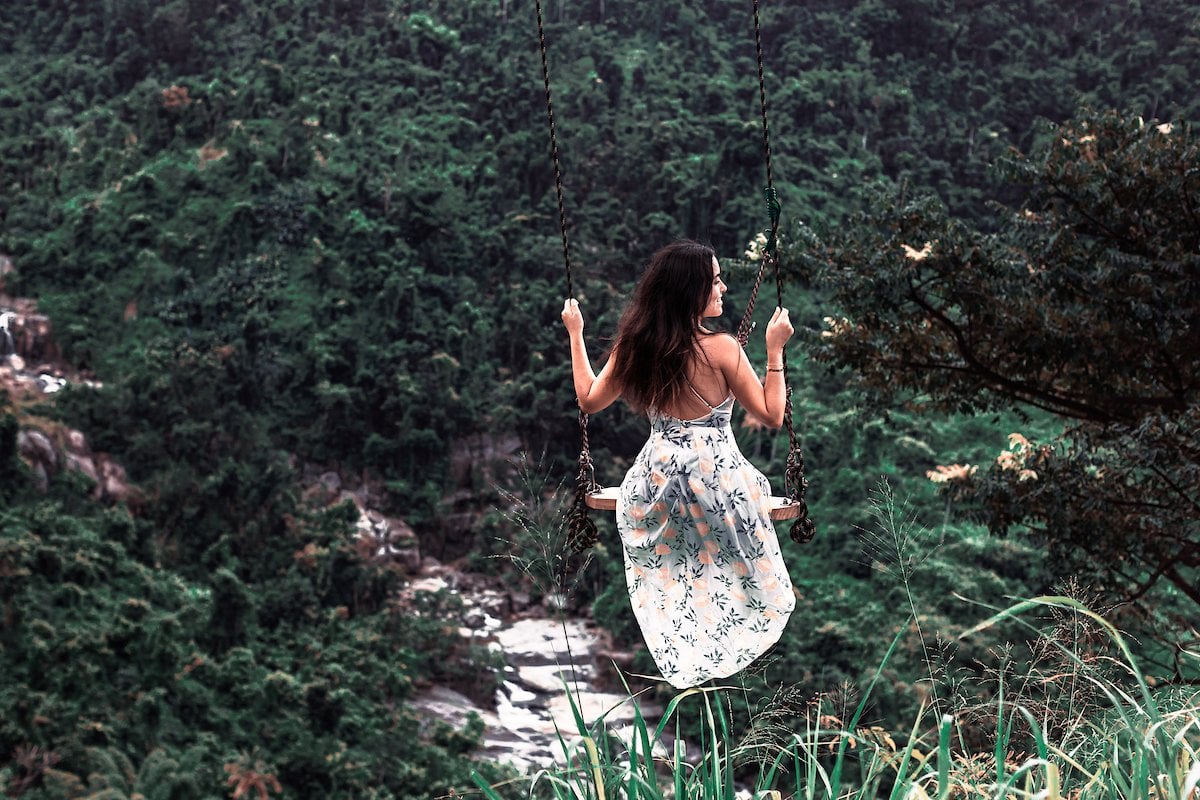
(705, 574)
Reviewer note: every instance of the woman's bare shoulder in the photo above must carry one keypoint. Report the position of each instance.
(720, 347)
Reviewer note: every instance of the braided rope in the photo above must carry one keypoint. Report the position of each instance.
(747, 323)
(743, 333)
(562, 209)
(762, 94)
(795, 484)
(581, 530)
(774, 209)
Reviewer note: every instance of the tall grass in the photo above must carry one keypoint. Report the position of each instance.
(1135, 748)
(897, 545)
(1112, 737)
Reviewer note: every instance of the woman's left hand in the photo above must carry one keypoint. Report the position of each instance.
(572, 317)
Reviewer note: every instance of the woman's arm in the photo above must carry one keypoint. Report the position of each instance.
(764, 401)
(595, 392)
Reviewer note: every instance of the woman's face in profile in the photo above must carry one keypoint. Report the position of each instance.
(715, 302)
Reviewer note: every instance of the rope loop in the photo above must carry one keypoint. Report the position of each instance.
(803, 529)
(747, 323)
(774, 207)
(581, 530)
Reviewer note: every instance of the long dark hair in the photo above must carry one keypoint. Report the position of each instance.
(657, 337)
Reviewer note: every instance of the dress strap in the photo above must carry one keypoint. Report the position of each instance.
(699, 396)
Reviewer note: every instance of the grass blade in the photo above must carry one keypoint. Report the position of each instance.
(484, 786)
(836, 776)
(900, 784)
(944, 729)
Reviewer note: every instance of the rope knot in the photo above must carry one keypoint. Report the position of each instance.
(774, 207)
(803, 529)
(795, 484)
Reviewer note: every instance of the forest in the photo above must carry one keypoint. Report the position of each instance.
(289, 239)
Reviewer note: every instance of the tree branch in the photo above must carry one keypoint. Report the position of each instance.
(1139, 591)
(1189, 588)
(1099, 226)
(1081, 410)
(1028, 400)
(1177, 489)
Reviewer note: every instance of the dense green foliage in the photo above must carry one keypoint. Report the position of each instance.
(355, 195)
(323, 232)
(1103, 260)
(291, 655)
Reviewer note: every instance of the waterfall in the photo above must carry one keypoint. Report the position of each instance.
(7, 345)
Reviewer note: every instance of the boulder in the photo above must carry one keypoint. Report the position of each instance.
(324, 490)
(615, 709)
(76, 442)
(33, 337)
(41, 477)
(519, 696)
(550, 678)
(36, 448)
(113, 483)
(385, 539)
(49, 384)
(540, 641)
(432, 584)
(84, 464)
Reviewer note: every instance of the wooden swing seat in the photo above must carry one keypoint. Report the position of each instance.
(606, 500)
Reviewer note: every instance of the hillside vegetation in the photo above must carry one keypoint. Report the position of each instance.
(291, 233)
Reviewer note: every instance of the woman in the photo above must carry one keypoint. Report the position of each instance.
(704, 570)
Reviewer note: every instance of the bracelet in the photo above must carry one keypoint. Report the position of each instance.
(774, 369)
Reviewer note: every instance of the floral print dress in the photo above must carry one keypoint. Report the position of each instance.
(704, 570)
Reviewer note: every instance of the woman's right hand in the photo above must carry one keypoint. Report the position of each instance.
(572, 317)
(779, 330)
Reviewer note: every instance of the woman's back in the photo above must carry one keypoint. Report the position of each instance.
(707, 385)
(664, 361)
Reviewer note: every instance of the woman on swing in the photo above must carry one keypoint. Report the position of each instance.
(704, 570)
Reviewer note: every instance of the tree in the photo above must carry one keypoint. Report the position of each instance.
(1083, 302)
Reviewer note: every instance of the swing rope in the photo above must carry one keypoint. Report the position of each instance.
(562, 208)
(794, 482)
(581, 530)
